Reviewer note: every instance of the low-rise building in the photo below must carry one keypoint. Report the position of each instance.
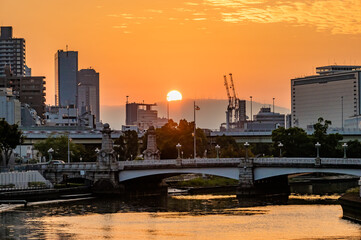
(10, 107)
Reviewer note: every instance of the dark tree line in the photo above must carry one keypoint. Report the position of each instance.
(296, 142)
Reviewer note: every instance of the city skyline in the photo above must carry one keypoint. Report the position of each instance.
(146, 49)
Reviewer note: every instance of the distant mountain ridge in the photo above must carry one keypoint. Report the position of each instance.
(211, 113)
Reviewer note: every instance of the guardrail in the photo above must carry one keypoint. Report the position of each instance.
(199, 161)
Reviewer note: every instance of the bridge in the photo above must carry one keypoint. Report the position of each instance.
(256, 176)
(250, 172)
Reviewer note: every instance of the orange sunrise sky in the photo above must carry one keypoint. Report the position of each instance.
(144, 48)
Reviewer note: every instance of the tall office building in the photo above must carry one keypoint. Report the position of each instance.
(333, 94)
(88, 92)
(12, 52)
(66, 84)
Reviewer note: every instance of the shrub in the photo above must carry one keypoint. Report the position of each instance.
(36, 184)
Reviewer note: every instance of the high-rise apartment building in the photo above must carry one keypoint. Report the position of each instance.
(88, 92)
(334, 94)
(66, 71)
(12, 52)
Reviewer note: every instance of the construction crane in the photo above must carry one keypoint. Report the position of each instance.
(235, 114)
(229, 111)
(235, 101)
(227, 89)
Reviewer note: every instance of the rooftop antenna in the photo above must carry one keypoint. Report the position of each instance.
(127, 99)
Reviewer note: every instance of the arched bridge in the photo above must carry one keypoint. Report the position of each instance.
(247, 171)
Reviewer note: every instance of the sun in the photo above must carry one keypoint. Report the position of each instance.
(174, 95)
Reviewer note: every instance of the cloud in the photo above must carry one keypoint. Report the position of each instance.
(154, 10)
(191, 3)
(122, 26)
(336, 16)
(122, 15)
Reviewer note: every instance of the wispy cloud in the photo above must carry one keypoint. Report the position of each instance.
(336, 16)
(154, 10)
(191, 3)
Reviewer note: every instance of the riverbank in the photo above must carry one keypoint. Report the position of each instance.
(9, 207)
(43, 194)
(351, 206)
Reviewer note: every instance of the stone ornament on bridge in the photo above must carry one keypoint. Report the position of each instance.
(106, 155)
(152, 152)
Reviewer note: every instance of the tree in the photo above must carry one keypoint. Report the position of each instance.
(126, 146)
(330, 146)
(10, 137)
(172, 133)
(354, 149)
(60, 147)
(296, 142)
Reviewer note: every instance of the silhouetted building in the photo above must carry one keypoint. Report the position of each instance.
(66, 84)
(265, 121)
(143, 116)
(88, 91)
(12, 52)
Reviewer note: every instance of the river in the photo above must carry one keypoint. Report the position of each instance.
(176, 217)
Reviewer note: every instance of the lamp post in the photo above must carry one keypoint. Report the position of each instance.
(217, 149)
(50, 151)
(195, 108)
(251, 108)
(246, 145)
(318, 160)
(68, 136)
(273, 105)
(178, 146)
(342, 112)
(280, 145)
(344, 149)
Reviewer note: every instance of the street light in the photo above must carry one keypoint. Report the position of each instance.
(342, 112)
(344, 149)
(280, 145)
(251, 108)
(246, 145)
(178, 146)
(318, 160)
(217, 149)
(50, 151)
(68, 135)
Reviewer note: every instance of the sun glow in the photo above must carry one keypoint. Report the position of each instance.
(174, 95)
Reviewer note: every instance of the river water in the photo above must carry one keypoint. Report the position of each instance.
(176, 217)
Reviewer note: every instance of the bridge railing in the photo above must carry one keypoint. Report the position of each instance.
(341, 161)
(284, 160)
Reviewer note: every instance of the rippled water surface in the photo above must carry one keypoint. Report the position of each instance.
(177, 217)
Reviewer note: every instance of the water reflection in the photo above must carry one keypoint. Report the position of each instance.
(178, 217)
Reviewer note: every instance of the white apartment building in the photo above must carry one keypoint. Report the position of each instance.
(10, 107)
(333, 94)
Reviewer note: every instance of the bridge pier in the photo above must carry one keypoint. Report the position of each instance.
(251, 192)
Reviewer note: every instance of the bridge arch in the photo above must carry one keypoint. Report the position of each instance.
(268, 172)
(232, 173)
